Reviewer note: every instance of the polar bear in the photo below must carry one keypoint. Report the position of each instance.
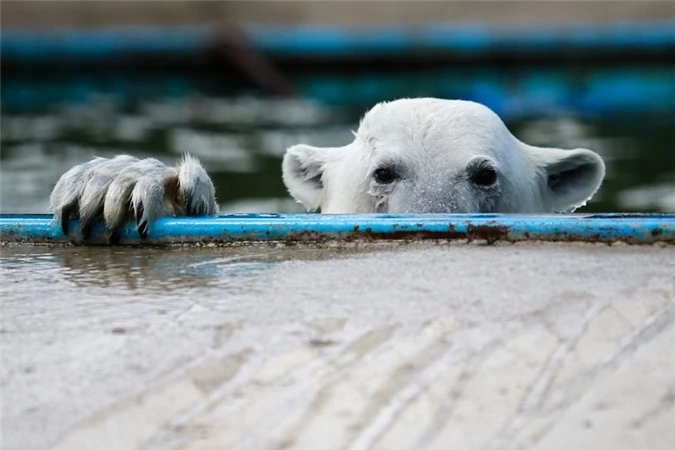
(421, 155)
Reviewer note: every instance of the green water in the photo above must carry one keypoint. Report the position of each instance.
(240, 140)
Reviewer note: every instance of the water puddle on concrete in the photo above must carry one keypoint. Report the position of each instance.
(202, 347)
(148, 271)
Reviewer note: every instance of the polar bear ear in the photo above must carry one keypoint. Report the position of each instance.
(303, 169)
(570, 177)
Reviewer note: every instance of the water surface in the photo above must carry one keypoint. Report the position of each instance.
(50, 123)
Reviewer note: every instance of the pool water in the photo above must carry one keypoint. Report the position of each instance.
(50, 123)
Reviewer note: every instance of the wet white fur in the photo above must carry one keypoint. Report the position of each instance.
(124, 187)
(433, 142)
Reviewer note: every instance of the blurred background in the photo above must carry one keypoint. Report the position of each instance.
(235, 83)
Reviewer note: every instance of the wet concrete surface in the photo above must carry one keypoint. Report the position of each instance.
(367, 346)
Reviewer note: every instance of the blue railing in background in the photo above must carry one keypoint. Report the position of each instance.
(597, 92)
(35, 47)
(527, 90)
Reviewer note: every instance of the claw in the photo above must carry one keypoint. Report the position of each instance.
(87, 225)
(114, 237)
(198, 190)
(65, 213)
(142, 228)
(65, 197)
(139, 212)
(124, 188)
(88, 218)
(193, 206)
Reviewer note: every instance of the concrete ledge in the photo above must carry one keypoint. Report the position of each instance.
(538, 346)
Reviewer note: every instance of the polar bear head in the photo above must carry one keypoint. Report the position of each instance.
(430, 155)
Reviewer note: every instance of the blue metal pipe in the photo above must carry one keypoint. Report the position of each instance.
(291, 228)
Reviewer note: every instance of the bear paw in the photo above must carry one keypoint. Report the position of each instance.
(124, 187)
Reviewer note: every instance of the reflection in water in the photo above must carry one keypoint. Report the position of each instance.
(659, 197)
(150, 271)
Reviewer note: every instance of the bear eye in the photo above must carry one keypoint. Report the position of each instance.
(384, 175)
(485, 176)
